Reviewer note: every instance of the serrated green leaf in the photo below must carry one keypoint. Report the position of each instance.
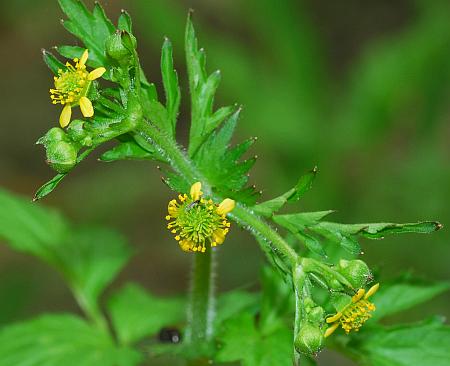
(347, 242)
(241, 341)
(52, 62)
(128, 150)
(159, 115)
(70, 51)
(124, 22)
(137, 314)
(91, 28)
(218, 117)
(48, 187)
(398, 296)
(54, 340)
(219, 163)
(236, 152)
(379, 230)
(268, 208)
(350, 244)
(170, 83)
(424, 344)
(202, 88)
(304, 185)
(298, 221)
(311, 243)
(176, 183)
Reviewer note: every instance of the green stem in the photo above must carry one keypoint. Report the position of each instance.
(90, 310)
(201, 305)
(241, 214)
(201, 302)
(298, 277)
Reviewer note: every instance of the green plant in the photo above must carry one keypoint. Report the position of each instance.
(314, 267)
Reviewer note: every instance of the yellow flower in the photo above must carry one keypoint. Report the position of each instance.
(71, 87)
(197, 222)
(354, 314)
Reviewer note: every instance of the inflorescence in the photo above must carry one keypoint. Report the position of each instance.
(198, 222)
(354, 314)
(72, 86)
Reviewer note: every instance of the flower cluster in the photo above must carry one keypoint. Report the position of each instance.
(198, 222)
(72, 86)
(354, 314)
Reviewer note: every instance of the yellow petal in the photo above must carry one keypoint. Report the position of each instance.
(86, 107)
(95, 74)
(225, 206)
(335, 317)
(66, 113)
(219, 236)
(372, 290)
(186, 245)
(331, 329)
(358, 295)
(84, 58)
(196, 191)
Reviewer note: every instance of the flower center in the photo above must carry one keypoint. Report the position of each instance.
(196, 223)
(356, 314)
(71, 84)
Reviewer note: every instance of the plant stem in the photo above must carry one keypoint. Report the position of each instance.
(241, 214)
(201, 302)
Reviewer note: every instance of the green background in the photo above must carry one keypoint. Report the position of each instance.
(360, 89)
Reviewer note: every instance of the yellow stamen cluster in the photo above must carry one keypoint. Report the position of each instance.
(198, 222)
(355, 314)
(72, 86)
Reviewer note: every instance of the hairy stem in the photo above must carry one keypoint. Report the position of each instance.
(201, 302)
(241, 214)
(201, 305)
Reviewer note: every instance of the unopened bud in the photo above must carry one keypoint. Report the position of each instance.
(76, 132)
(61, 156)
(53, 135)
(309, 339)
(355, 271)
(119, 46)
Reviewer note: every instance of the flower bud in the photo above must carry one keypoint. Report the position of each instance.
(355, 271)
(316, 315)
(61, 156)
(120, 45)
(309, 339)
(53, 135)
(77, 133)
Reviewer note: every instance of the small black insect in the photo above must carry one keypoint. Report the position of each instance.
(192, 205)
(169, 335)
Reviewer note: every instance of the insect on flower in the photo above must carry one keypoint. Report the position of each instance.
(72, 86)
(198, 222)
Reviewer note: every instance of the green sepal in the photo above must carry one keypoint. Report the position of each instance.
(48, 187)
(124, 23)
(52, 62)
